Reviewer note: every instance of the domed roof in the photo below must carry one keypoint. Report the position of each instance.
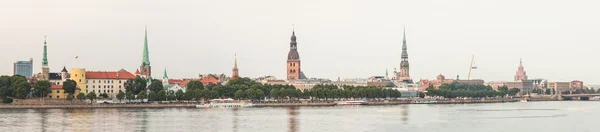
(293, 54)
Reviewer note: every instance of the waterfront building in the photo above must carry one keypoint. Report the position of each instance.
(146, 70)
(210, 79)
(23, 68)
(274, 82)
(57, 92)
(576, 84)
(520, 81)
(559, 87)
(404, 75)
(172, 84)
(78, 75)
(235, 74)
(109, 82)
(293, 69)
(441, 79)
(524, 85)
(351, 82)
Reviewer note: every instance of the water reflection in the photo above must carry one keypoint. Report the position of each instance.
(404, 114)
(235, 119)
(293, 122)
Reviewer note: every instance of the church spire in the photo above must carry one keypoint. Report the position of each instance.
(45, 58)
(165, 75)
(235, 61)
(235, 73)
(145, 57)
(404, 48)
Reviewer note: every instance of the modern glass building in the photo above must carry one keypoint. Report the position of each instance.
(24, 68)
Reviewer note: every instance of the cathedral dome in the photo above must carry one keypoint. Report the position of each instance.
(293, 54)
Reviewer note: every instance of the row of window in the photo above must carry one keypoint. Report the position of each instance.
(103, 81)
(104, 86)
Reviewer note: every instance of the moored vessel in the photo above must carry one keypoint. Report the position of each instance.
(359, 102)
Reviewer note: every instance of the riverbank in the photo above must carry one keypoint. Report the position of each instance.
(259, 104)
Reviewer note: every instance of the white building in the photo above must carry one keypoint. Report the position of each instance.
(107, 82)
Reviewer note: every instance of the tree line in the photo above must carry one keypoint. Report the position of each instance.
(453, 90)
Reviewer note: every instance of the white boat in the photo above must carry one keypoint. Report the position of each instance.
(225, 103)
(424, 102)
(524, 101)
(360, 102)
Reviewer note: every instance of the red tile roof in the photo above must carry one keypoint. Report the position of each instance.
(184, 83)
(209, 79)
(137, 72)
(56, 87)
(121, 74)
(175, 81)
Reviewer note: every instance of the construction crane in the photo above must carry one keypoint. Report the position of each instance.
(471, 67)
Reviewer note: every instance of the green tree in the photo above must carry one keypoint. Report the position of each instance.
(162, 95)
(92, 96)
(239, 94)
(136, 85)
(23, 88)
(141, 96)
(274, 93)
(120, 95)
(81, 96)
(41, 88)
(152, 96)
(250, 94)
(70, 97)
(156, 86)
(5, 90)
(194, 85)
(190, 94)
(180, 95)
(104, 95)
(130, 96)
(69, 86)
(259, 94)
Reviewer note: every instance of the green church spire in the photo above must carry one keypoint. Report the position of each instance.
(165, 76)
(145, 57)
(45, 59)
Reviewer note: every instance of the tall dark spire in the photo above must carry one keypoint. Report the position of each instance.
(45, 58)
(293, 54)
(404, 48)
(145, 56)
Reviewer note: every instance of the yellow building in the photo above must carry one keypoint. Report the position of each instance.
(57, 92)
(78, 75)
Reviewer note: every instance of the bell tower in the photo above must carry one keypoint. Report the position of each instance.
(145, 68)
(293, 60)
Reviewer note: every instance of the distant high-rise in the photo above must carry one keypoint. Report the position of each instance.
(293, 69)
(521, 74)
(404, 75)
(235, 74)
(23, 68)
(145, 68)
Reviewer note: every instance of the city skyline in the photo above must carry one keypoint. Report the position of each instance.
(327, 52)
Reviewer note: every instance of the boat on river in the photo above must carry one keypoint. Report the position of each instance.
(225, 103)
(359, 102)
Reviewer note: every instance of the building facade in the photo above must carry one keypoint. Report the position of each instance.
(109, 82)
(559, 87)
(576, 84)
(23, 68)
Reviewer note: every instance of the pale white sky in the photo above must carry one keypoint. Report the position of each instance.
(347, 38)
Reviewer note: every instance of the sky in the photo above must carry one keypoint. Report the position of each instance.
(556, 39)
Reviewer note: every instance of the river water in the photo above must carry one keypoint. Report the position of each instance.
(566, 116)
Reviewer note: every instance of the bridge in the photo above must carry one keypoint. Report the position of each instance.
(580, 96)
